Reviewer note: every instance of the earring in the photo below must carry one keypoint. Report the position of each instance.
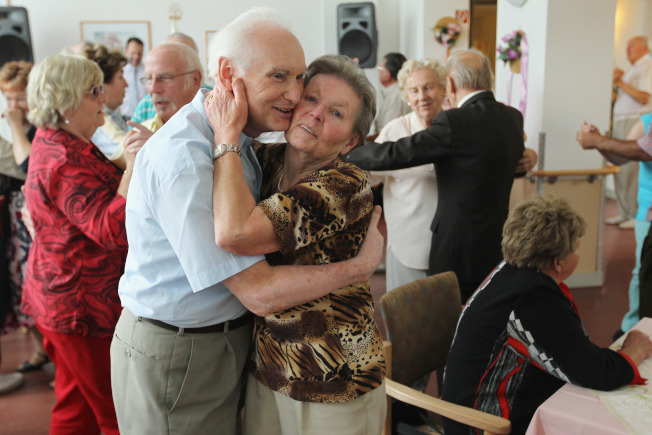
(66, 121)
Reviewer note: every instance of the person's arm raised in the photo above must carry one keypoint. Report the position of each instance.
(240, 227)
(20, 144)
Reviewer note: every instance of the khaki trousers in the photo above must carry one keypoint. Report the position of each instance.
(268, 412)
(626, 182)
(174, 382)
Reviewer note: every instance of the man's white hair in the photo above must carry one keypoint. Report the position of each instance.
(233, 43)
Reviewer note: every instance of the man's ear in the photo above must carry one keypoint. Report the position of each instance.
(224, 76)
(196, 78)
(451, 85)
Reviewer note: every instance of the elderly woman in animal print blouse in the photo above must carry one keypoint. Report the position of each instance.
(319, 364)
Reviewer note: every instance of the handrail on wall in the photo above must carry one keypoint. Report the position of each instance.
(591, 174)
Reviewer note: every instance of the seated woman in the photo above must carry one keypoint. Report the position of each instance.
(321, 361)
(520, 337)
(108, 136)
(76, 199)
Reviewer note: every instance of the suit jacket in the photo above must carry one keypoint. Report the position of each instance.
(475, 149)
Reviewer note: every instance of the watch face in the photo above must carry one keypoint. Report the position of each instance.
(517, 2)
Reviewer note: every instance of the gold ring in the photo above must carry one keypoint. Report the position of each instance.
(209, 96)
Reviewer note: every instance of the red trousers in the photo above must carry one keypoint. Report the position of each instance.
(82, 384)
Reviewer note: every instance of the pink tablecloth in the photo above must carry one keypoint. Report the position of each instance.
(576, 410)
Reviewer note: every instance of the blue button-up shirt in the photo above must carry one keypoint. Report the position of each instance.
(174, 269)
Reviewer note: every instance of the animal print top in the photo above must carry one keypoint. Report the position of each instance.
(328, 350)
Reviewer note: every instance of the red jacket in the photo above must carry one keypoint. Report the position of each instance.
(80, 243)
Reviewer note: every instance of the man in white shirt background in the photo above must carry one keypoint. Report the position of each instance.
(133, 71)
(633, 100)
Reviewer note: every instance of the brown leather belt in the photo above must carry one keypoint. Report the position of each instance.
(220, 327)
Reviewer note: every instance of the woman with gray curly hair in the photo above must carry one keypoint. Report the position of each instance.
(520, 337)
(322, 360)
(410, 195)
(76, 199)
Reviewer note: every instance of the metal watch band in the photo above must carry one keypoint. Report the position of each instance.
(221, 149)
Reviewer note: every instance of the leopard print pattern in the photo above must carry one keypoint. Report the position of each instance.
(328, 350)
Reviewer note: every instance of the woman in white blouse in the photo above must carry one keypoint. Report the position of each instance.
(410, 195)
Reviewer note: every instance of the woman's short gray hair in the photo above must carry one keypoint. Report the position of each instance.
(344, 68)
(233, 43)
(540, 229)
(56, 85)
(412, 65)
(470, 69)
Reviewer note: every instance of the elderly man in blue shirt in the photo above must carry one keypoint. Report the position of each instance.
(183, 337)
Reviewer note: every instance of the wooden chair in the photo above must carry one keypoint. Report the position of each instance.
(421, 318)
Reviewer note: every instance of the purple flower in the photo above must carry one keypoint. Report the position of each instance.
(509, 36)
(512, 54)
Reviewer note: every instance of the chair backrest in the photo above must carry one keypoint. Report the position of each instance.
(420, 318)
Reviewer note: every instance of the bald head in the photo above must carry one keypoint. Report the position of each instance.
(183, 39)
(637, 47)
(173, 73)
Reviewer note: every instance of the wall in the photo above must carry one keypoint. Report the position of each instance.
(569, 73)
(55, 25)
(418, 17)
(632, 19)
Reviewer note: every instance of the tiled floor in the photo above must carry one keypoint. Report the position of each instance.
(27, 410)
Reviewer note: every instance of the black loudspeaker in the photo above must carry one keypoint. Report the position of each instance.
(356, 32)
(15, 40)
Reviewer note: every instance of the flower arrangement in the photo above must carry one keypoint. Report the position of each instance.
(447, 33)
(512, 51)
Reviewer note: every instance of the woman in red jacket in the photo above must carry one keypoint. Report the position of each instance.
(76, 199)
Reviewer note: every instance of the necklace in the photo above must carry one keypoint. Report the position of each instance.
(278, 186)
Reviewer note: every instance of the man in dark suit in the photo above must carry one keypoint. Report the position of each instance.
(475, 148)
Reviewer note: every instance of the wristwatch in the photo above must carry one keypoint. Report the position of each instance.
(222, 149)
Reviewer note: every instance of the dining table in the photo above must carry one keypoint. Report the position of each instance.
(577, 410)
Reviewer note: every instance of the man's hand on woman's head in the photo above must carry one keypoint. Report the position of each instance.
(227, 112)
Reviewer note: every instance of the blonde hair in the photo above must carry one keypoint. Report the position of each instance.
(56, 85)
(412, 65)
(540, 229)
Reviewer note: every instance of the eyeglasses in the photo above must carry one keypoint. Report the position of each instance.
(162, 79)
(95, 91)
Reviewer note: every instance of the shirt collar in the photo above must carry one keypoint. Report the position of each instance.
(468, 97)
(642, 59)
